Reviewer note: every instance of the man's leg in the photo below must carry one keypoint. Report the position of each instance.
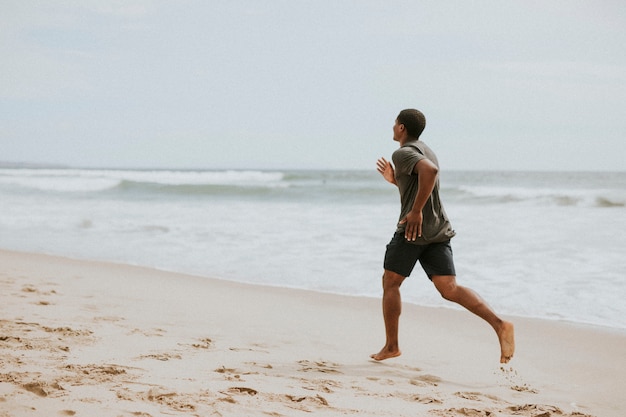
(448, 288)
(392, 307)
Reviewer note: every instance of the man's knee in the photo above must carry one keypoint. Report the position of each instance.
(392, 279)
(446, 285)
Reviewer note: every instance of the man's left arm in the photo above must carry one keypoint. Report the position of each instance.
(426, 172)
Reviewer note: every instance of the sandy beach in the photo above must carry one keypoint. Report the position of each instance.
(84, 338)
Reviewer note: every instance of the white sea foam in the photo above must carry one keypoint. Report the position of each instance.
(76, 180)
(545, 195)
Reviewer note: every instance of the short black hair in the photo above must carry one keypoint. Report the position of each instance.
(413, 120)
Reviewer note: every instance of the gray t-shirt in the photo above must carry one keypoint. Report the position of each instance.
(435, 227)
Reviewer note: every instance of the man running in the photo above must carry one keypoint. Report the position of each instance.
(423, 234)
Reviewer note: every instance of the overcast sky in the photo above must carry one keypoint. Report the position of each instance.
(524, 85)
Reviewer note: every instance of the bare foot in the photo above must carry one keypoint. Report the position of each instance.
(506, 335)
(385, 353)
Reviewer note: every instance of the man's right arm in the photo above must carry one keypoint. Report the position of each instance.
(427, 177)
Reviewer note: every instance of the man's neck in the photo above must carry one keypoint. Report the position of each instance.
(407, 139)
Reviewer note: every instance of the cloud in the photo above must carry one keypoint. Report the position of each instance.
(286, 76)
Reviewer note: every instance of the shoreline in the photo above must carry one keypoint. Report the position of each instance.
(96, 338)
(447, 306)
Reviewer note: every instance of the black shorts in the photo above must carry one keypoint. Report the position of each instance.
(435, 258)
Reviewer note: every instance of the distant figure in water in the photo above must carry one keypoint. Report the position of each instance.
(423, 234)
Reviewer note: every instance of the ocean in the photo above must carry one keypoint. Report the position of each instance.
(537, 244)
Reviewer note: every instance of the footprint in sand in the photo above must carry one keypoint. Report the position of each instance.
(425, 399)
(465, 412)
(540, 410)
(425, 380)
(165, 356)
(241, 390)
(21, 335)
(32, 289)
(476, 396)
(170, 399)
(67, 331)
(321, 366)
(256, 348)
(527, 410)
(231, 374)
(82, 374)
(148, 332)
(267, 366)
(43, 389)
(204, 343)
(324, 385)
(108, 319)
(316, 400)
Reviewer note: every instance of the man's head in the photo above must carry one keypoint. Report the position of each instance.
(413, 120)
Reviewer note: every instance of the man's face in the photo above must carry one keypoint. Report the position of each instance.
(398, 130)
